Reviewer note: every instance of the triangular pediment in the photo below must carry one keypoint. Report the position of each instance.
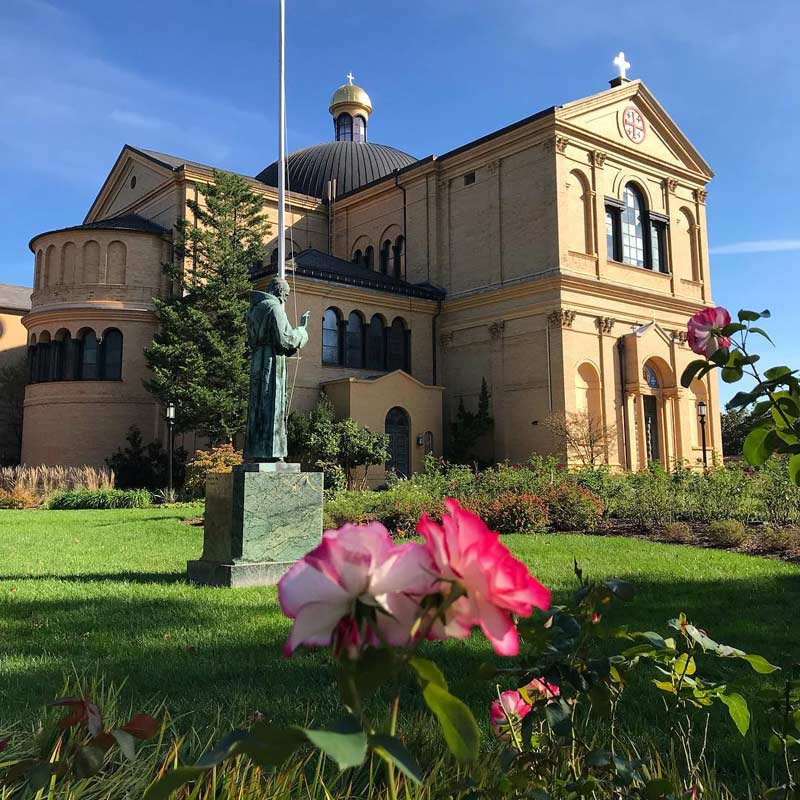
(134, 176)
(628, 117)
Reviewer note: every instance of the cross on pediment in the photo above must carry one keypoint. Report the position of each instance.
(621, 64)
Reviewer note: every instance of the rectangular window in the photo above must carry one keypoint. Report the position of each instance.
(658, 246)
(613, 233)
(469, 179)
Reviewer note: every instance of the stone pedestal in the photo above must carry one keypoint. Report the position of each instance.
(260, 518)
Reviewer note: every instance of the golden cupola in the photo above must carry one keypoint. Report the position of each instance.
(350, 107)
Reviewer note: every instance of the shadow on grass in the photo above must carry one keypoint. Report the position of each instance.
(220, 649)
(103, 577)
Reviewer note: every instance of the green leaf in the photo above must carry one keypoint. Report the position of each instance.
(659, 789)
(270, 745)
(225, 748)
(737, 708)
(171, 781)
(691, 371)
(775, 745)
(759, 664)
(794, 469)
(731, 328)
(755, 450)
(89, 761)
(559, 717)
(751, 316)
(741, 399)
(776, 373)
(428, 672)
(393, 751)
(621, 589)
(126, 743)
(345, 743)
(721, 356)
(762, 332)
(732, 374)
(458, 725)
(39, 776)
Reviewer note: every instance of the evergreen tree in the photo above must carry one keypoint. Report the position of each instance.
(199, 357)
(469, 427)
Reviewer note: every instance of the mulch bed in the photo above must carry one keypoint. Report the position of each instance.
(701, 537)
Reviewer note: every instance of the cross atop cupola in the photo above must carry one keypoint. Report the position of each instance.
(623, 65)
(350, 77)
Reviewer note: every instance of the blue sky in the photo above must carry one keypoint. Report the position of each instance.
(79, 79)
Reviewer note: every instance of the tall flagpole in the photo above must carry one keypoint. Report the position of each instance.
(281, 142)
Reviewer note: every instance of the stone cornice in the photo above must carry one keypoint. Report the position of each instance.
(65, 314)
(356, 294)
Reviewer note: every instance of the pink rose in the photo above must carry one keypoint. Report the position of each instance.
(704, 326)
(355, 588)
(540, 689)
(497, 585)
(510, 706)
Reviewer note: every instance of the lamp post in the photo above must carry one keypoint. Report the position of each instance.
(170, 442)
(702, 413)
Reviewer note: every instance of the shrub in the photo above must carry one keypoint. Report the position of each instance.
(354, 506)
(400, 507)
(647, 499)
(677, 533)
(141, 466)
(573, 508)
(17, 499)
(100, 499)
(769, 539)
(727, 532)
(777, 496)
(219, 459)
(516, 513)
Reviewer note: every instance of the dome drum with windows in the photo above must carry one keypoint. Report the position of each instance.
(335, 168)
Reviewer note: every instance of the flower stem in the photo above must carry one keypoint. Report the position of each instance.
(394, 709)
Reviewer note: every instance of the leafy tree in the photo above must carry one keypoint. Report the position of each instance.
(736, 424)
(335, 445)
(13, 379)
(469, 427)
(199, 357)
(141, 466)
(583, 434)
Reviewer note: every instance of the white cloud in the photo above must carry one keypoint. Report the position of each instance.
(757, 246)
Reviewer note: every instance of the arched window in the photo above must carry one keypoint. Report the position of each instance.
(331, 337)
(369, 257)
(344, 128)
(117, 256)
(44, 360)
(37, 275)
(398, 430)
(111, 355)
(50, 269)
(376, 343)
(650, 377)
(397, 346)
(633, 227)
(88, 355)
(397, 261)
(386, 250)
(90, 272)
(69, 261)
(359, 129)
(62, 356)
(32, 353)
(357, 257)
(354, 341)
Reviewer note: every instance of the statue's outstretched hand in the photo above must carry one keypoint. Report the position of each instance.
(304, 319)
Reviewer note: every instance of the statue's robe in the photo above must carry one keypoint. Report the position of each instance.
(271, 339)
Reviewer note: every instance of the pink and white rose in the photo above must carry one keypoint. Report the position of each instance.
(465, 552)
(356, 588)
(704, 326)
(510, 707)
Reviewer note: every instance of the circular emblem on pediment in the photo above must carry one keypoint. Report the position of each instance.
(633, 124)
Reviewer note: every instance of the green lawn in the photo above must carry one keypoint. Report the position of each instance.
(104, 592)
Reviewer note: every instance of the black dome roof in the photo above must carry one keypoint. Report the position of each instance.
(353, 164)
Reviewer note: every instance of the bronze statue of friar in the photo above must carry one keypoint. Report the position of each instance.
(271, 339)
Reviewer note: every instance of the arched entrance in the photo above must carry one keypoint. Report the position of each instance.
(398, 430)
